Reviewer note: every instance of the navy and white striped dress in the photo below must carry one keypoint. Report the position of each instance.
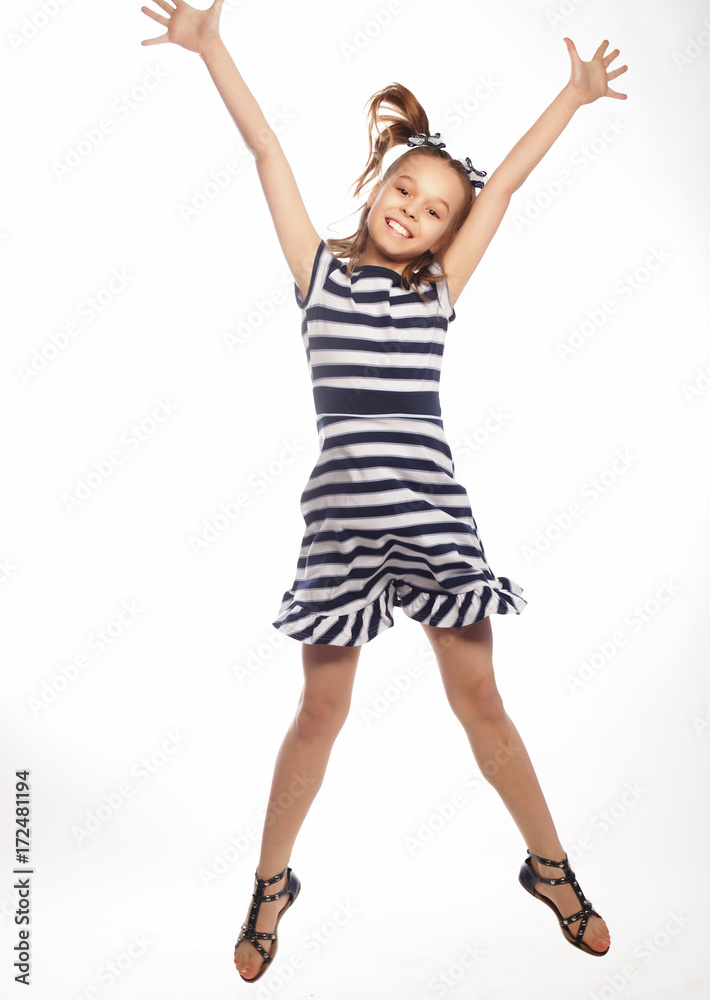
(387, 524)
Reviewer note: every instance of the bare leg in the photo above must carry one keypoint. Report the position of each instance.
(465, 661)
(329, 674)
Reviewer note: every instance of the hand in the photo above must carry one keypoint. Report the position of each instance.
(590, 80)
(193, 29)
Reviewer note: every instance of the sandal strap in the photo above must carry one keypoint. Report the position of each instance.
(275, 895)
(262, 883)
(264, 954)
(269, 881)
(569, 878)
(553, 881)
(547, 861)
(251, 934)
(584, 913)
(258, 897)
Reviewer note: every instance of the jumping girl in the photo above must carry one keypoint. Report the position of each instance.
(387, 524)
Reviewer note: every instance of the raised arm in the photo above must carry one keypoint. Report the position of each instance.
(198, 31)
(588, 81)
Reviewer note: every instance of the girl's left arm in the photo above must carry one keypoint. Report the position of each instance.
(588, 81)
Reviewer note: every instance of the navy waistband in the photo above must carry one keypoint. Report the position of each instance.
(364, 402)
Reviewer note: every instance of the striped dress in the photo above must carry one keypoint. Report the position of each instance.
(387, 524)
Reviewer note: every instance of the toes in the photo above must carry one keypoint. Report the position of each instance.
(247, 969)
(599, 937)
(247, 966)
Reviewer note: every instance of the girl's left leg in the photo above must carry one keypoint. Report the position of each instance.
(465, 660)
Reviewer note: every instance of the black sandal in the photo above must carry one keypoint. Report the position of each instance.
(528, 878)
(248, 932)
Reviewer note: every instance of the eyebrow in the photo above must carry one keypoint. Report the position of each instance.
(406, 177)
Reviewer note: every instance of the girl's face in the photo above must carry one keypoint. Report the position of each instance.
(412, 210)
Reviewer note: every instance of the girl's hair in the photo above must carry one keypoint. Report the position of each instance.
(397, 129)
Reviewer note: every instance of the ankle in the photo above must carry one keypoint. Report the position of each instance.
(271, 872)
(553, 854)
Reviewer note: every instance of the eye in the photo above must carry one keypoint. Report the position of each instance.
(404, 190)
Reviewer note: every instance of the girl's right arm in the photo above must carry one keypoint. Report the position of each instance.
(197, 31)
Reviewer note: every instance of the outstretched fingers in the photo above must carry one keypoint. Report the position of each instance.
(155, 41)
(156, 17)
(611, 75)
(165, 21)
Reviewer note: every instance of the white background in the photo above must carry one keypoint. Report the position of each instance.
(171, 864)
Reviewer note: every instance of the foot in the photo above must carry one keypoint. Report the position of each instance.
(247, 959)
(596, 933)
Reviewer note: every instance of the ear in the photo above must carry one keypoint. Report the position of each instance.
(373, 194)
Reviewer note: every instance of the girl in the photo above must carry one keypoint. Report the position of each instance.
(386, 522)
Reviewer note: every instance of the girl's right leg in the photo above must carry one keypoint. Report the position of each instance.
(329, 675)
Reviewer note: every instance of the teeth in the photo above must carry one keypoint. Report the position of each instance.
(396, 226)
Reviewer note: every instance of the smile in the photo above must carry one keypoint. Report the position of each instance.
(398, 228)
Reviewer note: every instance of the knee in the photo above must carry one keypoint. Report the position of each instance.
(480, 702)
(320, 717)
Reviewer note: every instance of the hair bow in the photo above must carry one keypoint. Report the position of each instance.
(472, 170)
(420, 139)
